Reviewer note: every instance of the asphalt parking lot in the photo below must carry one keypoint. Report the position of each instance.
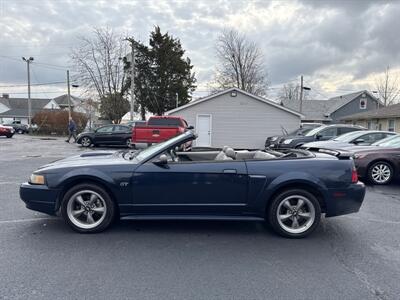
(349, 257)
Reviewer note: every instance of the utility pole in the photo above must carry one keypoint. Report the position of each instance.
(69, 95)
(132, 41)
(177, 99)
(301, 93)
(28, 61)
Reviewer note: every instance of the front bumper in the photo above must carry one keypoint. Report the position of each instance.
(345, 201)
(39, 197)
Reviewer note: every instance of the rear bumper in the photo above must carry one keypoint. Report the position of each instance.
(345, 201)
(39, 197)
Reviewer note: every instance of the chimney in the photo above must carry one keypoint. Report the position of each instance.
(6, 96)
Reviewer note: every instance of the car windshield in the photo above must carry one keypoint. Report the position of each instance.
(150, 151)
(347, 137)
(392, 141)
(315, 131)
(299, 131)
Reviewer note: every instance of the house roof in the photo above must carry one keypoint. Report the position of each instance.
(63, 100)
(322, 109)
(392, 111)
(18, 107)
(212, 96)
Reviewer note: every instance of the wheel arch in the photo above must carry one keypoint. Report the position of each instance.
(385, 160)
(72, 181)
(301, 185)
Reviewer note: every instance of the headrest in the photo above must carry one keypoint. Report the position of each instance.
(230, 153)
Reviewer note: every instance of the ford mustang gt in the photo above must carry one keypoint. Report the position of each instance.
(289, 189)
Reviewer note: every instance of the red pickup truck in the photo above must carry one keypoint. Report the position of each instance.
(158, 129)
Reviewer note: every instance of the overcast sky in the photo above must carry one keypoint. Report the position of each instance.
(339, 46)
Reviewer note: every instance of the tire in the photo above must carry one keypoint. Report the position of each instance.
(9, 136)
(128, 143)
(380, 173)
(81, 215)
(20, 131)
(149, 144)
(283, 218)
(86, 141)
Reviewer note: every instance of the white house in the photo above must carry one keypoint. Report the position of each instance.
(236, 118)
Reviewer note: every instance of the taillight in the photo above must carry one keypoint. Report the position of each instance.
(354, 175)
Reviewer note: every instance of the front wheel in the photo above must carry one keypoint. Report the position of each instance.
(9, 136)
(380, 173)
(294, 213)
(20, 131)
(86, 141)
(87, 208)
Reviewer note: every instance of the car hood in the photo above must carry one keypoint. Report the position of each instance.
(299, 138)
(327, 145)
(87, 159)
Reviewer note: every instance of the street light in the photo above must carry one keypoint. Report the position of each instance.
(28, 61)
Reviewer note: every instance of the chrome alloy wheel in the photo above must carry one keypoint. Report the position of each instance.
(381, 173)
(86, 209)
(295, 214)
(85, 142)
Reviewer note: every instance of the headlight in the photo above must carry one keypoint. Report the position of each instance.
(37, 179)
(274, 138)
(288, 141)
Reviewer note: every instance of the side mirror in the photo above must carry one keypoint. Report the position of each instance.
(318, 136)
(162, 160)
(190, 127)
(359, 141)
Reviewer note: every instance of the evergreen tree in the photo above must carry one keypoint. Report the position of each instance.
(162, 74)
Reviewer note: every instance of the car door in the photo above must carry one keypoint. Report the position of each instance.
(103, 134)
(120, 134)
(207, 187)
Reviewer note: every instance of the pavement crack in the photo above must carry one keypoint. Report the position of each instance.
(361, 276)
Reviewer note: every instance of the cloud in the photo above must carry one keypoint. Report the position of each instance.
(332, 43)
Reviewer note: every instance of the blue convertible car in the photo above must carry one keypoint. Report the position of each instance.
(291, 190)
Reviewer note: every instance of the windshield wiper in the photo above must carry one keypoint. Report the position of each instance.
(133, 154)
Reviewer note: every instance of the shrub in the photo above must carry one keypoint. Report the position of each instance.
(56, 121)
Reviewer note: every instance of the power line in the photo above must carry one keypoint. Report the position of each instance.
(34, 84)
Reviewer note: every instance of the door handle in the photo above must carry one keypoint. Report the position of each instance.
(230, 171)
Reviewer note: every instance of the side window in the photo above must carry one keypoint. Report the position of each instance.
(105, 129)
(344, 130)
(120, 128)
(369, 138)
(329, 132)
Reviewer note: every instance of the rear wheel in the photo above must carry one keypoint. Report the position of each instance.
(294, 213)
(87, 208)
(380, 173)
(9, 136)
(86, 141)
(20, 131)
(128, 143)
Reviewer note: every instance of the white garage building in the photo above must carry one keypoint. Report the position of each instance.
(236, 118)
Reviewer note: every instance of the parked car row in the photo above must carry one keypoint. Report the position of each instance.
(157, 129)
(376, 153)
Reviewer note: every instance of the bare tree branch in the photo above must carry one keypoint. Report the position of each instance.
(241, 64)
(388, 87)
